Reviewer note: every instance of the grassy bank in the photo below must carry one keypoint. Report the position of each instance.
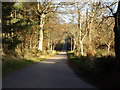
(100, 68)
(11, 63)
(14, 65)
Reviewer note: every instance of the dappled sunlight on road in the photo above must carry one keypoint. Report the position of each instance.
(63, 53)
(61, 57)
(47, 62)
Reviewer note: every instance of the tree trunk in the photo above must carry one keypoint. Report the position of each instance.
(71, 44)
(48, 44)
(117, 33)
(80, 34)
(74, 47)
(90, 32)
(40, 40)
(81, 48)
(51, 45)
(41, 23)
(108, 48)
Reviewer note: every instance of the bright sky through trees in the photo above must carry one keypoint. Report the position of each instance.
(66, 17)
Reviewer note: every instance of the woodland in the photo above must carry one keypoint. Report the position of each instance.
(32, 30)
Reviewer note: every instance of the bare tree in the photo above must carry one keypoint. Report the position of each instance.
(43, 8)
(107, 34)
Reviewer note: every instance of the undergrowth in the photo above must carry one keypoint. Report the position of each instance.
(103, 67)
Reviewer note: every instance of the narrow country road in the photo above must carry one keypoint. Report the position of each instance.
(50, 73)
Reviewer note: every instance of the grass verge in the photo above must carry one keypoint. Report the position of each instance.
(11, 63)
(14, 65)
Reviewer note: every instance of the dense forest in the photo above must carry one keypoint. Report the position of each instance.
(92, 29)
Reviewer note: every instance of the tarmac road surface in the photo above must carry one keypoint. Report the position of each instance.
(50, 73)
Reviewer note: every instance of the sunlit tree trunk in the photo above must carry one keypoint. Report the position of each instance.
(81, 48)
(80, 40)
(40, 40)
(80, 34)
(90, 30)
(41, 24)
(51, 47)
(108, 48)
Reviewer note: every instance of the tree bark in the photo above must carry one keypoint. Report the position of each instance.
(41, 24)
(80, 34)
(40, 40)
(81, 48)
(117, 33)
(108, 48)
(51, 46)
